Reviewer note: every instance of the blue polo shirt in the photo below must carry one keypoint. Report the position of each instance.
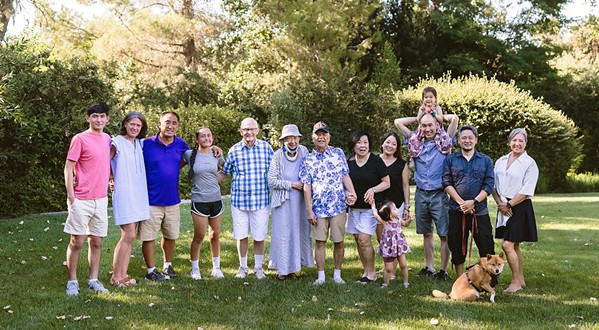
(469, 178)
(162, 170)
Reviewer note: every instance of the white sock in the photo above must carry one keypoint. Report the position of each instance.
(166, 264)
(258, 258)
(195, 264)
(151, 269)
(216, 262)
(321, 275)
(91, 280)
(243, 262)
(337, 273)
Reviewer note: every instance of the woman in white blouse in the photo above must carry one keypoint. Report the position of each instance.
(516, 177)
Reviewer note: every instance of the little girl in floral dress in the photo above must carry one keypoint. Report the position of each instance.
(393, 242)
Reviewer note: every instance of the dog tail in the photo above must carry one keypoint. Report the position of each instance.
(439, 294)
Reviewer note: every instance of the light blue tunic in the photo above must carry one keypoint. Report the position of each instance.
(130, 197)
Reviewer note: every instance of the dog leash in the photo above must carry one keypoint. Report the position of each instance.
(473, 230)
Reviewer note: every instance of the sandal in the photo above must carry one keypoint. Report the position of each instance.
(123, 282)
(281, 277)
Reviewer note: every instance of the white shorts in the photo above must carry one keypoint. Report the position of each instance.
(361, 221)
(247, 223)
(88, 217)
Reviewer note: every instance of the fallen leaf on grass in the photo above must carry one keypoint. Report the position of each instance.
(172, 288)
(572, 326)
(22, 222)
(82, 317)
(593, 300)
(216, 297)
(31, 239)
(314, 298)
(47, 228)
(362, 312)
(151, 304)
(580, 317)
(108, 318)
(88, 301)
(55, 247)
(330, 309)
(6, 307)
(64, 263)
(434, 321)
(44, 258)
(239, 299)
(62, 317)
(10, 311)
(23, 262)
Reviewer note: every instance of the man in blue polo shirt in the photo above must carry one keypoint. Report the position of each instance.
(248, 162)
(163, 155)
(430, 200)
(468, 178)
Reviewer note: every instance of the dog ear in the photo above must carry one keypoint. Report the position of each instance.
(489, 256)
(501, 255)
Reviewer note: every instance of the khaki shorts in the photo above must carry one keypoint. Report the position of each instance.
(320, 231)
(88, 217)
(162, 218)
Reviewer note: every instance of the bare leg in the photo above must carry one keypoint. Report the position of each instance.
(367, 255)
(445, 252)
(199, 232)
(520, 263)
(360, 254)
(242, 247)
(404, 267)
(389, 270)
(429, 250)
(148, 249)
(93, 255)
(122, 252)
(168, 249)
(320, 254)
(215, 236)
(73, 252)
(338, 253)
(459, 270)
(512, 259)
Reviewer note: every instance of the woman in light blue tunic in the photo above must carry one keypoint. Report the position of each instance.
(291, 246)
(130, 196)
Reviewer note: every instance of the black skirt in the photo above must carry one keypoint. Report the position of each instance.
(521, 226)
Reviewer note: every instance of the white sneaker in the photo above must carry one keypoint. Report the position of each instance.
(195, 274)
(338, 280)
(319, 282)
(406, 285)
(217, 273)
(72, 288)
(384, 285)
(259, 273)
(97, 286)
(242, 272)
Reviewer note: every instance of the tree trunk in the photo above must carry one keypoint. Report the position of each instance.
(7, 10)
(189, 48)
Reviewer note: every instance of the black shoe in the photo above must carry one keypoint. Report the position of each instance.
(441, 275)
(169, 271)
(155, 276)
(426, 272)
(364, 280)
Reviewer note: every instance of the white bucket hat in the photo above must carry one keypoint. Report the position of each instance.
(289, 130)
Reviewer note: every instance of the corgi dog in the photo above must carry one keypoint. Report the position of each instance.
(480, 277)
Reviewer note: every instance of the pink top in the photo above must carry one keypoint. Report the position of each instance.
(91, 152)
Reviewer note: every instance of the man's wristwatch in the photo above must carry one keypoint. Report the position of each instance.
(476, 202)
(509, 206)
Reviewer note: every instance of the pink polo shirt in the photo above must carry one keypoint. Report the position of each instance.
(91, 152)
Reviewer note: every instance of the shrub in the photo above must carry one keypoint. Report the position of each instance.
(496, 108)
(42, 106)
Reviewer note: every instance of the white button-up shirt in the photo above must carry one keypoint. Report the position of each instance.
(520, 178)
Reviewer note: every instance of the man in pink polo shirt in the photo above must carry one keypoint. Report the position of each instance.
(86, 174)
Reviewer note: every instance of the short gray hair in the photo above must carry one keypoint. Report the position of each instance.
(515, 132)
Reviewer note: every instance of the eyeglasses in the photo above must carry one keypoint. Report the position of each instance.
(249, 129)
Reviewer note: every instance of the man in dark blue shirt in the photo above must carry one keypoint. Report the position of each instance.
(468, 179)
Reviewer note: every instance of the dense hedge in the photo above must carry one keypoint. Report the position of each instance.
(42, 105)
(496, 108)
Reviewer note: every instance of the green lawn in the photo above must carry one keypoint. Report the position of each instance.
(562, 276)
